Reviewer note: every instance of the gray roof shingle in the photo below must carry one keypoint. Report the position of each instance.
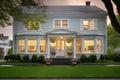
(66, 10)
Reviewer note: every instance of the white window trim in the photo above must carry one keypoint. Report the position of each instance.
(100, 38)
(95, 24)
(60, 22)
(18, 45)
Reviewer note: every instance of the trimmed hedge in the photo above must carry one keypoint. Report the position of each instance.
(83, 58)
(93, 58)
(41, 59)
(18, 57)
(34, 58)
(26, 58)
(102, 57)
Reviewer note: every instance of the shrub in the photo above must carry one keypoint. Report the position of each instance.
(34, 58)
(12, 57)
(18, 57)
(92, 58)
(26, 58)
(102, 57)
(83, 58)
(10, 51)
(116, 58)
(6, 57)
(41, 59)
(109, 56)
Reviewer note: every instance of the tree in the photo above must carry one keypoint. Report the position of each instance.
(12, 8)
(109, 7)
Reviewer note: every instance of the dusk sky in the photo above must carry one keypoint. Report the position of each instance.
(8, 31)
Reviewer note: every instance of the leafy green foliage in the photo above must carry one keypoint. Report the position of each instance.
(12, 8)
(92, 58)
(34, 58)
(41, 59)
(6, 57)
(83, 58)
(26, 58)
(10, 51)
(18, 57)
(102, 57)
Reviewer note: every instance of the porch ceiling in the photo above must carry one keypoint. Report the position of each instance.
(61, 32)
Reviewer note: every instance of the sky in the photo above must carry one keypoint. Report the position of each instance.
(8, 31)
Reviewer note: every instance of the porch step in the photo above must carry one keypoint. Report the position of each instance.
(61, 61)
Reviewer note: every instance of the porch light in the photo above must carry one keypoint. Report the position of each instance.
(52, 43)
(68, 43)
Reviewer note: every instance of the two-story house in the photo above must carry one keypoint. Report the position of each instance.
(69, 31)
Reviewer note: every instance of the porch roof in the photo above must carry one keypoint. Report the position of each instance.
(61, 32)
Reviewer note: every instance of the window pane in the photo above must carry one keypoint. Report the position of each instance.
(21, 46)
(65, 24)
(57, 24)
(99, 45)
(32, 44)
(89, 46)
(32, 25)
(29, 25)
(88, 24)
(78, 46)
(42, 46)
(91, 24)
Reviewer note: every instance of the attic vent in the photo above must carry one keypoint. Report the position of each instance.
(88, 3)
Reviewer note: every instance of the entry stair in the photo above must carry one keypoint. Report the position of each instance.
(61, 61)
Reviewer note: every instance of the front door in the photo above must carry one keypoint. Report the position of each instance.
(60, 49)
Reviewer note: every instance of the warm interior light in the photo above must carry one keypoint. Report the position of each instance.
(52, 43)
(68, 43)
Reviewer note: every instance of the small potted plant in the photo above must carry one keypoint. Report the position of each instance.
(70, 52)
(53, 52)
(48, 61)
(74, 61)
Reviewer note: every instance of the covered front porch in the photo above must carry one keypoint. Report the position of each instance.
(61, 44)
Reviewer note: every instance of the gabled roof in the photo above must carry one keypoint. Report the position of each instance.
(65, 10)
(61, 32)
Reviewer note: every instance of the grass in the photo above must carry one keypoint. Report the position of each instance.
(44, 71)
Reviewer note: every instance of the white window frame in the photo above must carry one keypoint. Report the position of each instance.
(82, 25)
(61, 19)
(100, 38)
(18, 45)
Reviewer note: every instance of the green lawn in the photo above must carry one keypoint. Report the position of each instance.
(44, 71)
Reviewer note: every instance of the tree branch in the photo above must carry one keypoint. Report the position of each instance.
(112, 16)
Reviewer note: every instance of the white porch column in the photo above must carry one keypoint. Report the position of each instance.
(48, 47)
(95, 45)
(74, 53)
(38, 45)
(82, 45)
(26, 46)
(5, 52)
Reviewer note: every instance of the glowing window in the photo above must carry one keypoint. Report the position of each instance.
(78, 46)
(99, 45)
(32, 45)
(32, 25)
(89, 46)
(21, 46)
(65, 24)
(57, 24)
(88, 24)
(61, 24)
(42, 46)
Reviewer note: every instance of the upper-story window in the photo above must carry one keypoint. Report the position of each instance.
(32, 25)
(88, 24)
(61, 23)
